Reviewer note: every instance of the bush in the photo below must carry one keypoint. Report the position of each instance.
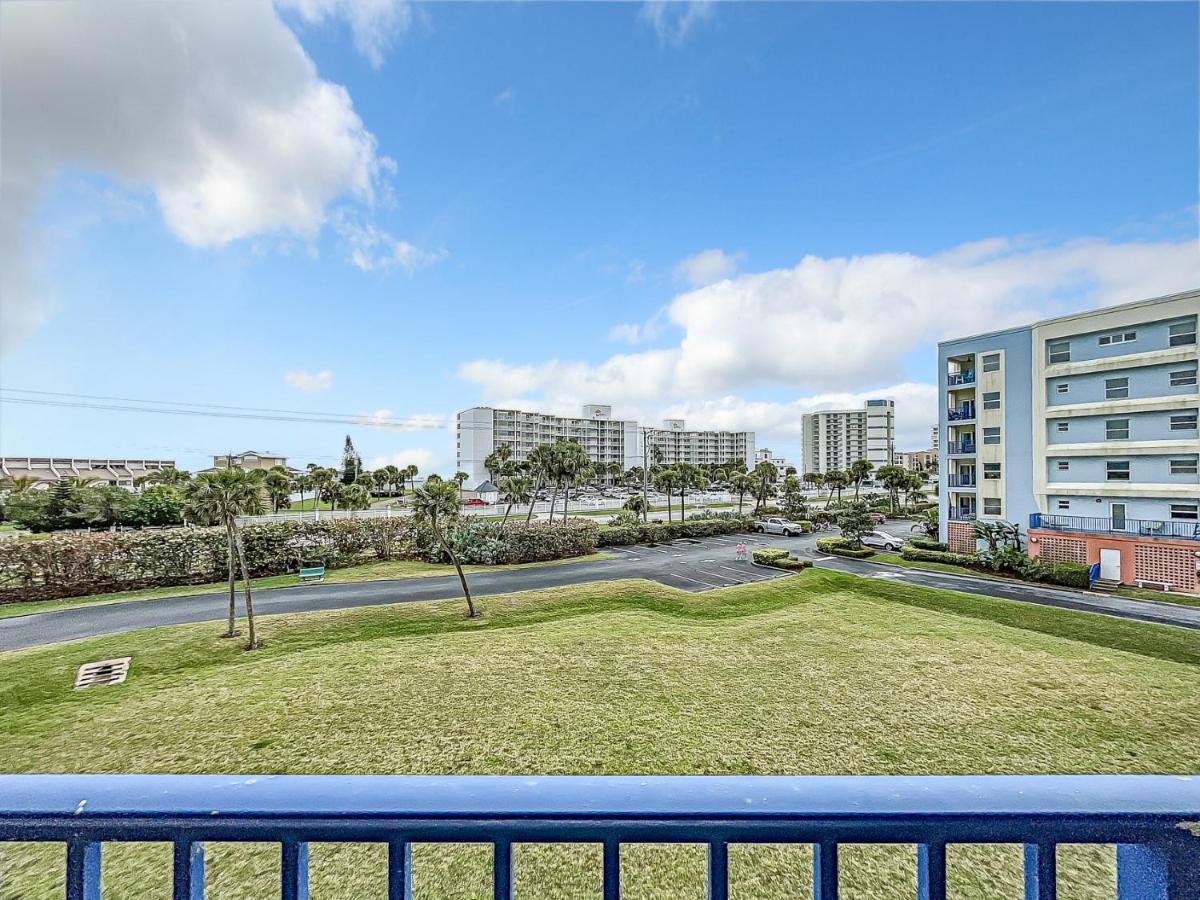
(924, 543)
(662, 532)
(915, 553)
(1068, 574)
(767, 555)
(792, 563)
(840, 546)
(805, 526)
(827, 544)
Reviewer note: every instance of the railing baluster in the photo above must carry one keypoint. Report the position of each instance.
(502, 870)
(612, 870)
(931, 872)
(294, 871)
(399, 870)
(718, 870)
(1166, 871)
(825, 871)
(188, 865)
(83, 870)
(1041, 872)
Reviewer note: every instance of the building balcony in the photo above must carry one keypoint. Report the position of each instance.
(1156, 858)
(962, 481)
(961, 413)
(957, 378)
(958, 514)
(960, 448)
(1147, 528)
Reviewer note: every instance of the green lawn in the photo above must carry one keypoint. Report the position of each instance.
(818, 673)
(379, 571)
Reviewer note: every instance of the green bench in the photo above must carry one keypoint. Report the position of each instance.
(315, 573)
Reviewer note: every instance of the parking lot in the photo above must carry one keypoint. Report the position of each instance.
(702, 564)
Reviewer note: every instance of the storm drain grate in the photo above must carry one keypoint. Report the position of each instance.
(106, 671)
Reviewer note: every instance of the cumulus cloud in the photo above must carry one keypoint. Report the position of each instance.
(385, 419)
(842, 324)
(707, 266)
(213, 107)
(374, 24)
(674, 21)
(309, 382)
(633, 333)
(371, 249)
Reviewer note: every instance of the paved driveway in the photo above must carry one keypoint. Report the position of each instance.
(691, 565)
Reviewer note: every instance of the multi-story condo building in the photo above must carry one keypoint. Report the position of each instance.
(46, 470)
(675, 444)
(481, 429)
(935, 439)
(249, 460)
(764, 454)
(1084, 429)
(837, 438)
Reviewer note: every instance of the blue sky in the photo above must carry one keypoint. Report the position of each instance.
(729, 212)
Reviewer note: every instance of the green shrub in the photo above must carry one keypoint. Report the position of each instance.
(791, 562)
(768, 555)
(805, 526)
(853, 552)
(924, 543)
(915, 553)
(828, 544)
(1068, 574)
(661, 532)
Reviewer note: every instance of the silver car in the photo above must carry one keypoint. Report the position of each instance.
(777, 526)
(883, 540)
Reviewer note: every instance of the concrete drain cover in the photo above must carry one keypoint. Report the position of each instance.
(106, 671)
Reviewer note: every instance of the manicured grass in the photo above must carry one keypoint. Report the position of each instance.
(817, 673)
(380, 571)
(1161, 596)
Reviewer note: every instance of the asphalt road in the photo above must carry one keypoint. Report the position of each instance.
(699, 565)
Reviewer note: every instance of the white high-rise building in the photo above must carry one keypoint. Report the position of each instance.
(837, 438)
(700, 448)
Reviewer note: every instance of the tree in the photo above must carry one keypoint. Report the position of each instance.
(855, 521)
(741, 483)
(410, 472)
(913, 488)
(816, 479)
(666, 480)
(278, 485)
(767, 474)
(894, 478)
(459, 478)
(498, 463)
(157, 505)
(638, 506)
(989, 532)
(793, 503)
(355, 496)
(18, 485)
(98, 506)
(573, 467)
(835, 480)
(515, 490)
(351, 462)
(434, 504)
(858, 472)
(541, 464)
(687, 477)
(219, 498)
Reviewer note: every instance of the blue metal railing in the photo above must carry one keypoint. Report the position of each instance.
(960, 447)
(1146, 816)
(961, 515)
(961, 480)
(1164, 528)
(961, 413)
(961, 378)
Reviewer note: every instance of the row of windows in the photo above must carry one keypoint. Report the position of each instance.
(1180, 334)
(1118, 429)
(1184, 466)
(1183, 512)
(1118, 388)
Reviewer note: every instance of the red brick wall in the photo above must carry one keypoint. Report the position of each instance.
(1175, 566)
(960, 537)
(1061, 549)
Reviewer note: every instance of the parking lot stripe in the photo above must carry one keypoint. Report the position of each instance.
(718, 575)
(760, 576)
(694, 580)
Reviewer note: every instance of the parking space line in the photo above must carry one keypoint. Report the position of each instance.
(694, 580)
(718, 575)
(656, 550)
(760, 576)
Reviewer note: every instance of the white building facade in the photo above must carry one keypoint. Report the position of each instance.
(677, 444)
(837, 438)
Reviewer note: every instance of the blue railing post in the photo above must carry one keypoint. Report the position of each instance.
(399, 870)
(83, 870)
(188, 871)
(931, 872)
(1041, 872)
(294, 871)
(1162, 871)
(718, 871)
(502, 870)
(612, 870)
(825, 871)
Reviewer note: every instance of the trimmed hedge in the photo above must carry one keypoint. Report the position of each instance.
(779, 558)
(79, 564)
(662, 532)
(791, 562)
(1068, 574)
(840, 546)
(926, 543)
(917, 554)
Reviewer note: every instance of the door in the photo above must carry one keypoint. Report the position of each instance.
(1117, 514)
(1110, 564)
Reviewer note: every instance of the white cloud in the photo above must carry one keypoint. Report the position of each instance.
(506, 96)
(374, 24)
(371, 249)
(214, 107)
(385, 419)
(633, 333)
(309, 382)
(707, 266)
(842, 325)
(673, 21)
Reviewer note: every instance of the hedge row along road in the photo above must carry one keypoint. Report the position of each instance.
(691, 565)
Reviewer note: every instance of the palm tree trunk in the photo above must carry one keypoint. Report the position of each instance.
(231, 631)
(251, 639)
(566, 499)
(553, 500)
(533, 500)
(472, 613)
(507, 510)
(682, 512)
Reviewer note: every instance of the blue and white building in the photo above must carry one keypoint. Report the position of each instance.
(1084, 429)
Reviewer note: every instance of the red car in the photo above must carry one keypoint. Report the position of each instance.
(878, 518)
(475, 501)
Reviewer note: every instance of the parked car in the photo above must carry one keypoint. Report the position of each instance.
(777, 526)
(883, 540)
(878, 518)
(475, 501)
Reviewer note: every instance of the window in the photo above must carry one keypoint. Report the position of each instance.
(1059, 351)
(1064, 465)
(1063, 426)
(991, 471)
(1116, 388)
(991, 435)
(991, 362)
(1186, 511)
(1182, 333)
(1064, 504)
(1116, 430)
(1186, 422)
(991, 506)
(991, 400)
(1184, 466)
(1062, 387)
(1121, 337)
(1183, 378)
(1117, 470)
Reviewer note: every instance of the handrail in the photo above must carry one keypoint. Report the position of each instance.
(1174, 529)
(1146, 815)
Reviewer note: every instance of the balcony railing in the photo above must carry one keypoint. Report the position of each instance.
(962, 480)
(960, 447)
(960, 413)
(1158, 857)
(1163, 528)
(961, 515)
(960, 378)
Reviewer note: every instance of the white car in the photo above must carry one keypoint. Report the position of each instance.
(777, 526)
(883, 540)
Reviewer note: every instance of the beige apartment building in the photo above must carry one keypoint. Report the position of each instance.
(49, 469)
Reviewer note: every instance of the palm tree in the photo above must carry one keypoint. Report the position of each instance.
(687, 477)
(220, 497)
(515, 490)
(574, 467)
(497, 462)
(894, 479)
(740, 483)
(355, 496)
(666, 480)
(540, 463)
(300, 484)
(859, 470)
(322, 481)
(766, 473)
(278, 485)
(393, 477)
(637, 505)
(835, 480)
(18, 485)
(434, 504)
(459, 478)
